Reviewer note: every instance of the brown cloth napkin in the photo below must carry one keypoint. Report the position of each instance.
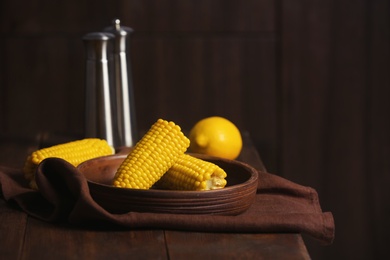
(281, 206)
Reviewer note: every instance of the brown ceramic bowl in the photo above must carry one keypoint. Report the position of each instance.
(234, 199)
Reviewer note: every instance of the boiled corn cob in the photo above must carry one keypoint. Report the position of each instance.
(152, 156)
(190, 173)
(74, 152)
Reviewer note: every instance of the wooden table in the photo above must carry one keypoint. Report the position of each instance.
(24, 237)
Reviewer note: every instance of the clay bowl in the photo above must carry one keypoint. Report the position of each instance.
(234, 199)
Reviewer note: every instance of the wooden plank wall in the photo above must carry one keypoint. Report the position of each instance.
(335, 87)
(308, 79)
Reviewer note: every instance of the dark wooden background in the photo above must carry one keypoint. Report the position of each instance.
(308, 79)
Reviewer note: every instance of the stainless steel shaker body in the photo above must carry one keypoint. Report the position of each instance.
(125, 107)
(98, 111)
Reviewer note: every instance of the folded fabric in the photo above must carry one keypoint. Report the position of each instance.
(281, 206)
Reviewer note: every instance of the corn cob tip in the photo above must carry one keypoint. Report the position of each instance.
(191, 173)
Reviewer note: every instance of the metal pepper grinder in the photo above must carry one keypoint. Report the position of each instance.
(125, 107)
(98, 113)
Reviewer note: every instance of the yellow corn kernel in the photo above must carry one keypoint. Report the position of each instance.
(74, 152)
(152, 156)
(190, 173)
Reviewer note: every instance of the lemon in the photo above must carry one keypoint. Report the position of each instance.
(216, 136)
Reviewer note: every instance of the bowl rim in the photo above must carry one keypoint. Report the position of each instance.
(252, 178)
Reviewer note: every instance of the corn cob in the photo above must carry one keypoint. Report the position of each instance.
(74, 152)
(152, 156)
(190, 173)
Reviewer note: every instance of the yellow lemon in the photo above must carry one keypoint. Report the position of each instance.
(216, 136)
